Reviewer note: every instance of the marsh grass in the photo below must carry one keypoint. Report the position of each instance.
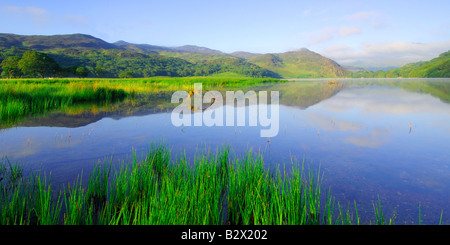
(214, 189)
(22, 98)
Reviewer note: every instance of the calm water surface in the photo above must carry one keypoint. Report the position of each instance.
(386, 139)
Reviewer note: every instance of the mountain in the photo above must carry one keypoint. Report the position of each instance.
(122, 59)
(196, 49)
(157, 49)
(353, 68)
(437, 67)
(244, 55)
(302, 63)
(142, 60)
(140, 48)
(190, 53)
(41, 43)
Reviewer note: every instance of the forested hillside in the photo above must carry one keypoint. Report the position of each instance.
(86, 56)
(80, 55)
(437, 67)
(300, 64)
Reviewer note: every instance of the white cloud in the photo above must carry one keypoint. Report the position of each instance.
(338, 48)
(41, 18)
(321, 36)
(75, 19)
(38, 16)
(347, 31)
(368, 15)
(392, 53)
(375, 18)
(329, 33)
(306, 13)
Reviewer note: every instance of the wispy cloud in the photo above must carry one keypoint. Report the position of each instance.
(75, 19)
(347, 31)
(306, 13)
(39, 16)
(321, 36)
(392, 53)
(367, 15)
(338, 48)
(374, 18)
(314, 13)
(331, 33)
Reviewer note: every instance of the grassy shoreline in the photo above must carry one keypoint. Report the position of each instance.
(214, 190)
(22, 98)
(33, 96)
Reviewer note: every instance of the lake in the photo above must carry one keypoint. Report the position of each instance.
(373, 139)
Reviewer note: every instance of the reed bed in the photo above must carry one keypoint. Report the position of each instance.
(214, 189)
(146, 85)
(22, 98)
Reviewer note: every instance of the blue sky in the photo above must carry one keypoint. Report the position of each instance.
(350, 32)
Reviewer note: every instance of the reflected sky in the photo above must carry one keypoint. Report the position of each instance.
(372, 140)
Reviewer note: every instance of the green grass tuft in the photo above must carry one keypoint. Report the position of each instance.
(212, 190)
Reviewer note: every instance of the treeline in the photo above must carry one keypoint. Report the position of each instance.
(114, 63)
(16, 62)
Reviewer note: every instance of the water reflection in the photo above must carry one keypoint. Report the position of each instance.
(372, 138)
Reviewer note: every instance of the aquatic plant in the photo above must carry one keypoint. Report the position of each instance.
(214, 189)
(22, 98)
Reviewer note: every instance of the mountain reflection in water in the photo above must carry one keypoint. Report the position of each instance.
(372, 138)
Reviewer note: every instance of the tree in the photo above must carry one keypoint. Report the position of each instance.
(99, 71)
(81, 72)
(126, 74)
(34, 62)
(10, 67)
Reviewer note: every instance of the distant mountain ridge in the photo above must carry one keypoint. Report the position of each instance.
(155, 49)
(89, 51)
(122, 59)
(301, 63)
(244, 55)
(298, 64)
(41, 42)
(437, 67)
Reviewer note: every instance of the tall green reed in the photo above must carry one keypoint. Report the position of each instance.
(20, 98)
(213, 189)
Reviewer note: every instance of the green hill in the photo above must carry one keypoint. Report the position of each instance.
(147, 48)
(117, 63)
(437, 67)
(299, 64)
(122, 59)
(193, 57)
(40, 42)
(244, 55)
